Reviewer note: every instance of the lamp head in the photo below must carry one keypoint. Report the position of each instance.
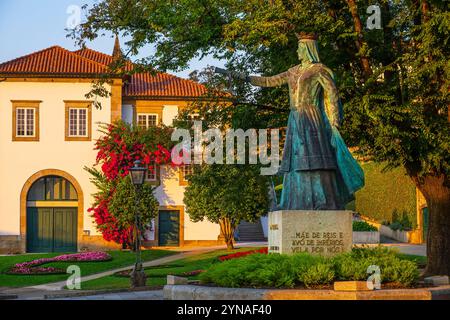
(137, 174)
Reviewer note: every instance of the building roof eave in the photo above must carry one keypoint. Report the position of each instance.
(58, 75)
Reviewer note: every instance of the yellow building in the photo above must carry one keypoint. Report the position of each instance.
(47, 134)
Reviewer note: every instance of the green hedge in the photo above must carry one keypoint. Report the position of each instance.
(288, 271)
(387, 196)
(363, 226)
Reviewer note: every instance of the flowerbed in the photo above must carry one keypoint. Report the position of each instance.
(127, 273)
(33, 267)
(243, 254)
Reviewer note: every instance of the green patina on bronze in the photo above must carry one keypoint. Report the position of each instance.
(319, 171)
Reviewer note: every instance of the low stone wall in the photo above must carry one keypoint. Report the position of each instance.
(366, 237)
(11, 245)
(413, 236)
(97, 243)
(192, 292)
(203, 243)
(398, 235)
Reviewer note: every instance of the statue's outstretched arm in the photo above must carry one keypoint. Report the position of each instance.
(331, 99)
(273, 81)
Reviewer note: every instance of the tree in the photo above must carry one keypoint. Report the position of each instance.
(227, 195)
(393, 82)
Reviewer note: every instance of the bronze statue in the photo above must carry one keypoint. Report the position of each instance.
(319, 171)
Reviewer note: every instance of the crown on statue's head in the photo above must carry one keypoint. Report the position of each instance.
(306, 36)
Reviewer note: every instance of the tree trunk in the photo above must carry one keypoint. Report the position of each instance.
(365, 64)
(437, 195)
(227, 230)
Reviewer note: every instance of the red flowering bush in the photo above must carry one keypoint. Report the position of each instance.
(118, 148)
(243, 254)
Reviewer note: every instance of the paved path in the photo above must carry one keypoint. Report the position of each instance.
(407, 248)
(137, 295)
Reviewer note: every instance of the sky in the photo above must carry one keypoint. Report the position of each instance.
(27, 26)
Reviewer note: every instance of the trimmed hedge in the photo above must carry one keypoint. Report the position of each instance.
(387, 196)
(288, 271)
(363, 226)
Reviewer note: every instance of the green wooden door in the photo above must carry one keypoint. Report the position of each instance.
(65, 230)
(51, 230)
(169, 228)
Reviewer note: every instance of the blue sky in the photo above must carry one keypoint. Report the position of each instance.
(27, 26)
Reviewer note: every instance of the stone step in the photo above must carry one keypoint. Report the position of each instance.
(250, 231)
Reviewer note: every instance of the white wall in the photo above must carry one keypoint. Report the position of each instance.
(127, 113)
(169, 114)
(170, 193)
(20, 160)
(265, 225)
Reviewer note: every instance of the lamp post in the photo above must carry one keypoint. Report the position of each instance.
(137, 175)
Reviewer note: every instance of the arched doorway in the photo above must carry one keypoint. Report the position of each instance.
(51, 212)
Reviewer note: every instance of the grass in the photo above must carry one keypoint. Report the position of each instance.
(120, 259)
(421, 261)
(157, 276)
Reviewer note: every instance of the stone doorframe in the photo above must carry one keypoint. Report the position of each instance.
(181, 231)
(23, 203)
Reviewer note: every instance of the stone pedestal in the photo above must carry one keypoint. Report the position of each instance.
(325, 233)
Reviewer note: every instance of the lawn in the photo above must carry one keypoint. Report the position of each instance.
(157, 276)
(120, 259)
(421, 261)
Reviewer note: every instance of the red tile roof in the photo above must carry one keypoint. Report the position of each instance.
(162, 85)
(53, 61)
(96, 56)
(87, 62)
(149, 85)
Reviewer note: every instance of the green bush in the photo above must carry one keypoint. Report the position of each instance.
(321, 273)
(353, 265)
(288, 271)
(363, 226)
(256, 270)
(403, 223)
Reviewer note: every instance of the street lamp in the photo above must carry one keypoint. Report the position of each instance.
(137, 176)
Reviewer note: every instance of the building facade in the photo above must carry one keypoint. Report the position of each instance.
(48, 130)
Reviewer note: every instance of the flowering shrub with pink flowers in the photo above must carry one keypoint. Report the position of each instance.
(117, 149)
(34, 267)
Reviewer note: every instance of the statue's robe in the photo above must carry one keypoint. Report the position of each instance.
(319, 171)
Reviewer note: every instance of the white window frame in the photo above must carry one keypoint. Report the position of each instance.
(25, 124)
(78, 122)
(147, 115)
